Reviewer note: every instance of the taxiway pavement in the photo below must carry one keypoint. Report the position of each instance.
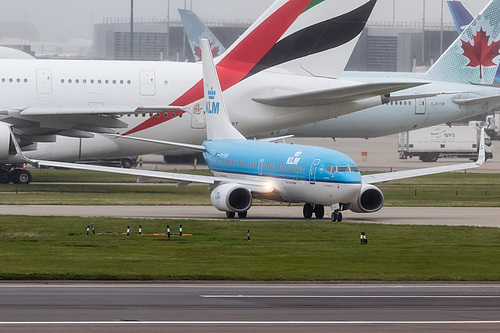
(458, 216)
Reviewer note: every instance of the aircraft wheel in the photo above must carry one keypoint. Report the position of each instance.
(126, 163)
(319, 211)
(334, 216)
(308, 210)
(339, 217)
(243, 215)
(4, 176)
(22, 177)
(230, 215)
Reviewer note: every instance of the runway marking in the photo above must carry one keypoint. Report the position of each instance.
(349, 296)
(116, 323)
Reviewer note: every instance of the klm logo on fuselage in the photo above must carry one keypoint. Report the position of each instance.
(212, 106)
(295, 159)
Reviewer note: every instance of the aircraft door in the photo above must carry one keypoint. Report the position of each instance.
(312, 171)
(261, 164)
(420, 106)
(198, 118)
(43, 81)
(148, 83)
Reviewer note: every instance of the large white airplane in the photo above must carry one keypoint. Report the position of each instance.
(460, 85)
(247, 169)
(297, 47)
(455, 89)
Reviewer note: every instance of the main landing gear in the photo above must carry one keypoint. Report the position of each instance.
(309, 209)
(232, 215)
(16, 176)
(336, 216)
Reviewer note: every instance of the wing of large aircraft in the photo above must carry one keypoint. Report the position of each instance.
(343, 94)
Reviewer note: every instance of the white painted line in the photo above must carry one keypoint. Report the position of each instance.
(349, 296)
(118, 323)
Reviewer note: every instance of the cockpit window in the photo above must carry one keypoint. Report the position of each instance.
(331, 169)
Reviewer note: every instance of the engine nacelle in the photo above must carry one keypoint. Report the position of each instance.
(6, 144)
(231, 198)
(370, 200)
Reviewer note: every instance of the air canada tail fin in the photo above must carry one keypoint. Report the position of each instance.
(474, 56)
(219, 126)
(461, 16)
(195, 31)
(309, 37)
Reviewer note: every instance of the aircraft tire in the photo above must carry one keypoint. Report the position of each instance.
(230, 215)
(243, 215)
(339, 217)
(4, 176)
(22, 177)
(319, 211)
(334, 216)
(308, 210)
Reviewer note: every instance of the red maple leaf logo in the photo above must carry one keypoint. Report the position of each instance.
(481, 54)
(197, 51)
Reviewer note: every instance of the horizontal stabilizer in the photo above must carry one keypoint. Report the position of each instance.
(336, 95)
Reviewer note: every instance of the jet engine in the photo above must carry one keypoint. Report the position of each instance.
(370, 200)
(231, 198)
(6, 144)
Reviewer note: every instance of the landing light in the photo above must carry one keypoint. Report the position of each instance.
(268, 186)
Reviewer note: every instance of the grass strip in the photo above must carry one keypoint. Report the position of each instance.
(57, 248)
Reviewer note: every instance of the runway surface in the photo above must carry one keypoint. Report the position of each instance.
(484, 217)
(248, 307)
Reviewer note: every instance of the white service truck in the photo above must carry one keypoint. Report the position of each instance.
(431, 143)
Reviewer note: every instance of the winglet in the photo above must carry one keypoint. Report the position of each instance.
(219, 126)
(481, 156)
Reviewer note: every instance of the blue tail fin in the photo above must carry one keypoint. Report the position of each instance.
(474, 56)
(461, 15)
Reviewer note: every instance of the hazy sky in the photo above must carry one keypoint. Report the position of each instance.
(61, 20)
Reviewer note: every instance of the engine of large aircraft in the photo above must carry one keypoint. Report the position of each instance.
(370, 200)
(231, 198)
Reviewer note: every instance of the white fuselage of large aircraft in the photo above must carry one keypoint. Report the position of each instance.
(405, 114)
(29, 87)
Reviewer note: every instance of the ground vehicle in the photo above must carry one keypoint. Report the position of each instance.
(431, 143)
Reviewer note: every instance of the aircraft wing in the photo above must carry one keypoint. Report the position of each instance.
(38, 124)
(351, 93)
(384, 177)
(182, 179)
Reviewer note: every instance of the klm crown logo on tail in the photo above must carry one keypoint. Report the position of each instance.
(212, 106)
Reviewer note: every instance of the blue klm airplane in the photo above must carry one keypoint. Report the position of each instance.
(247, 169)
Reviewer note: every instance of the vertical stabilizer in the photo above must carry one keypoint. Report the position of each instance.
(195, 31)
(219, 126)
(461, 15)
(474, 56)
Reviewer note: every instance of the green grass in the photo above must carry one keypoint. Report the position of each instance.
(445, 190)
(57, 248)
